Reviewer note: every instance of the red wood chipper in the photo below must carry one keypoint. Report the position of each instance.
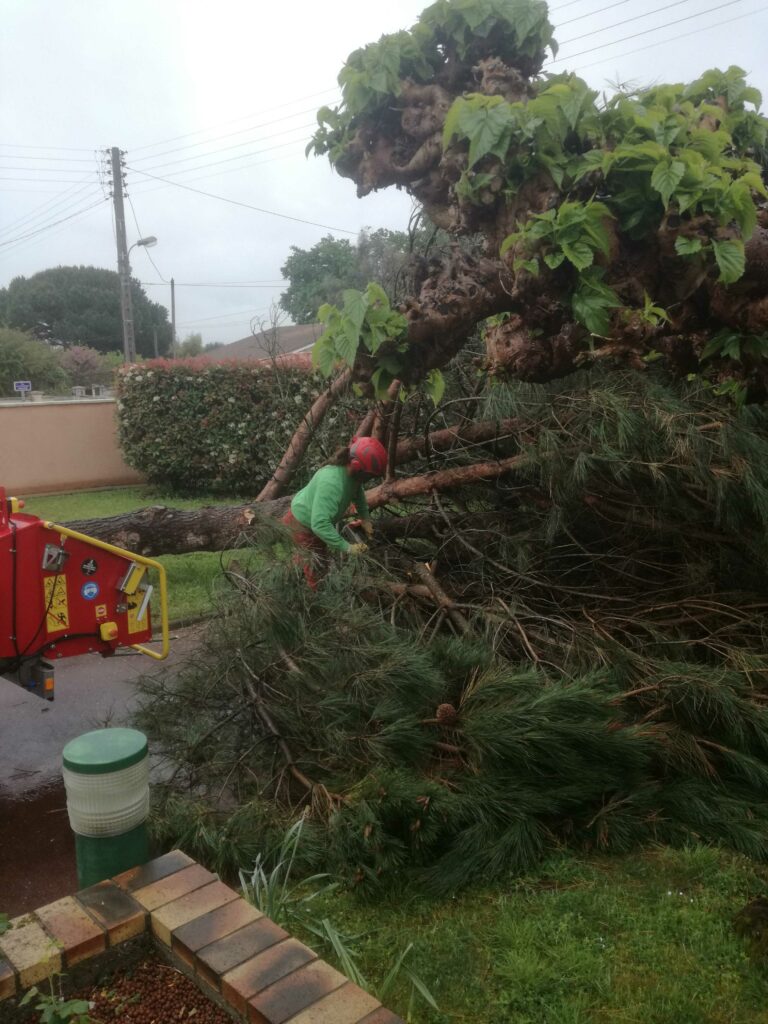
(63, 593)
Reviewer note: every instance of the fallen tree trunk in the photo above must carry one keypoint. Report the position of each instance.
(158, 530)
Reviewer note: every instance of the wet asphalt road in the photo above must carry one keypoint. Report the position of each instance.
(37, 850)
(91, 692)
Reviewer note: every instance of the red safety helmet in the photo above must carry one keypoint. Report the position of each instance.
(367, 455)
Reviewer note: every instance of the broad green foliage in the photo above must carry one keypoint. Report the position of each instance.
(573, 232)
(667, 152)
(732, 345)
(366, 319)
(81, 306)
(202, 427)
(549, 132)
(364, 323)
(593, 300)
(466, 30)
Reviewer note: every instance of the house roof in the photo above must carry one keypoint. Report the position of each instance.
(264, 345)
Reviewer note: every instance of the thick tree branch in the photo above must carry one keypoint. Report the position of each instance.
(291, 461)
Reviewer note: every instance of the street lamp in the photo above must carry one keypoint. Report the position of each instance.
(147, 242)
(129, 337)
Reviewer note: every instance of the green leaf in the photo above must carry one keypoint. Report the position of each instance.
(755, 182)
(374, 337)
(687, 246)
(710, 144)
(579, 253)
(377, 297)
(666, 177)
(347, 340)
(532, 266)
(731, 348)
(355, 306)
(554, 259)
(381, 379)
(592, 302)
(324, 354)
(490, 129)
(745, 212)
(452, 118)
(589, 162)
(509, 241)
(29, 996)
(730, 258)
(434, 385)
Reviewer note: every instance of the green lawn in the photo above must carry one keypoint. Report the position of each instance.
(192, 579)
(643, 939)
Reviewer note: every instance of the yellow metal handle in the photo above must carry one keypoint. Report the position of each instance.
(150, 563)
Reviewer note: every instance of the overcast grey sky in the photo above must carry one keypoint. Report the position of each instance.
(221, 97)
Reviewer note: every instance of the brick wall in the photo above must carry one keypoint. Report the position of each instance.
(239, 957)
(60, 446)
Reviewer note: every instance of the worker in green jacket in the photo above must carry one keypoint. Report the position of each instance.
(317, 509)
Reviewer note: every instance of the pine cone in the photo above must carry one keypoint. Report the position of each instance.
(446, 714)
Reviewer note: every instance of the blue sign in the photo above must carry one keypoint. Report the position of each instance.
(90, 590)
(22, 385)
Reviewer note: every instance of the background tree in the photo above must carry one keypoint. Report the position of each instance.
(86, 366)
(192, 345)
(317, 275)
(24, 357)
(321, 274)
(81, 306)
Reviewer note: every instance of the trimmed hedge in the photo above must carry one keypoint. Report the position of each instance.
(198, 426)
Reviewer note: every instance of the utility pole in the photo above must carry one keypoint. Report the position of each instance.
(154, 339)
(173, 318)
(123, 266)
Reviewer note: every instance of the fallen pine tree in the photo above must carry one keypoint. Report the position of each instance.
(560, 634)
(570, 651)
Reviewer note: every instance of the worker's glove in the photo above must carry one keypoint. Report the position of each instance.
(367, 528)
(357, 549)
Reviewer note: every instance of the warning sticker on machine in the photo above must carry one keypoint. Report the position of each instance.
(57, 608)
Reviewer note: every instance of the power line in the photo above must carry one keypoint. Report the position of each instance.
(43, 170)
(52, 149)
(47, 181)
(562, 7)
(50, 217)
(49, 205)
(626, 21)
(214, 284)
(57, 159)
(47, 227)
(646, 32)
(223, 316)
(229, 135)
(675, 39)
(229, 159)
(223, 124)
(230, 170)
(12, 250)
(246, 206)
(141, 235)
(589, 14)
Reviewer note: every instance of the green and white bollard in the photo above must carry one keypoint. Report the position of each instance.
(106, 776)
